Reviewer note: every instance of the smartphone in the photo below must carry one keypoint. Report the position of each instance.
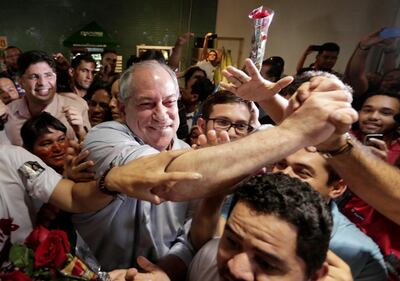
(370, 136)
(390, 32)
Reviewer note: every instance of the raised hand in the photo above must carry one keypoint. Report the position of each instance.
(252, 86)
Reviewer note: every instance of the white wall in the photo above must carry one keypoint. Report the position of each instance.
(300, 23)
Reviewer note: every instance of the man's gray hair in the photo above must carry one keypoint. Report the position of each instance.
(127, 80)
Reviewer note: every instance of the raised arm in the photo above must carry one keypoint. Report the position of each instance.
(225, 165)
(303, 58)
(372, 179)
(176, 55)
(204, 52)
(355, 74)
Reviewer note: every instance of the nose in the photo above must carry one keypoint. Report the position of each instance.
(240, 267)
(89, 75)
(232, 133)
(160, 113)
(56, 147)
(374, 115)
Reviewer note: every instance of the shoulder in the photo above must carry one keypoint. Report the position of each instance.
(15, 105)
(72, 99)
(204, 264)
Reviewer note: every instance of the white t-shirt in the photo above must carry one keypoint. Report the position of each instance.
(23, 177)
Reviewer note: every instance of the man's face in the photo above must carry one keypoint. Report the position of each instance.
(376, 114)
(152, 111)
(39, 83)
(109, 61)
(83, 75)
(237, 113)
(99, 109)
(308, 167)
(258, 247)
(8, 92)
(11, 57)
(326, 60)
(51, 148)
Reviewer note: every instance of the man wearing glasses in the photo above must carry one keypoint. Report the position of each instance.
(37, 77)
(225, 111)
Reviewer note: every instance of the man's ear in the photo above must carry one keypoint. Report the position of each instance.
(202, 125)
(321, 273)
(71, 72)
(337, 188)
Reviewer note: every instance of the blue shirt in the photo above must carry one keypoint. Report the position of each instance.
(128, 227)
(356, 249)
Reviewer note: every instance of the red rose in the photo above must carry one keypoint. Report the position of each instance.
(14, 276)
(37, 236)
(260, 15)
(52, 252)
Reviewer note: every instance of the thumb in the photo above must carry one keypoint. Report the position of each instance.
(146, 265)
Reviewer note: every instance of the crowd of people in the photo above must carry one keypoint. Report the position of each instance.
(263, 177)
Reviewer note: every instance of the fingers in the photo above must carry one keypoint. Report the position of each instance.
(379, 144)
(251, 69)
(282, 83)
(130, 274)
(146, 264)
(343, 118)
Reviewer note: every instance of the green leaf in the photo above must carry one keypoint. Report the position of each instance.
(23, 257)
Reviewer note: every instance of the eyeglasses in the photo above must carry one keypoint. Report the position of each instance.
(225, 125)
(46, 76)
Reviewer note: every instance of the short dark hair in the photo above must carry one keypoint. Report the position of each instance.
(12, 47)
(152, 55)
(382, 92)
(221, 97)
(305, 77)
(28, 58)
(297, 203)
(277, 65)
(329, 47)
(82, 57)
(202, 87)
(37, 126)
(189, 73)
(98, 85)
(108, 51)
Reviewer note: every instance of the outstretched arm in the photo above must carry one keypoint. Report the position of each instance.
(372, 179)
(136, 179)
(225, 165)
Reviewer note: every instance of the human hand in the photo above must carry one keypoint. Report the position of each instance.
(184, 38)
(252, 86)
(152, 271)
(211, 138)
(77, 169)
(61, 61)
(208, 34)
(338, 270)
(378, 148)
(75, 119)
(320, 108)
(139, 177)
(374, 39)
(123, 274)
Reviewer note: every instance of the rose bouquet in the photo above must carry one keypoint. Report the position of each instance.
(45, 255)
(261, 21)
